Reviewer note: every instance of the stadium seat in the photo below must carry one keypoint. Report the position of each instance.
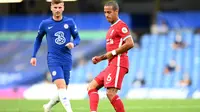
(155, 52)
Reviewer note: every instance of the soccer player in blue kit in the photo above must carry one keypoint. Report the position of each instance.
(58, 30)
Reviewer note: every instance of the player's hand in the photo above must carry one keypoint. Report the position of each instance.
(109, 55)
(70, 45)
(33, 61)
(96, 59)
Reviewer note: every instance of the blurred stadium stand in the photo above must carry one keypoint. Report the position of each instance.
(17, 36)
(17, 33)
(31, 22)
(178, 20)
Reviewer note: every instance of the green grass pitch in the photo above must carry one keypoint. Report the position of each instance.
(104, 106)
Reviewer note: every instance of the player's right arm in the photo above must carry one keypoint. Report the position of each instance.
(37, 44)
(128, 44)
(97, 59)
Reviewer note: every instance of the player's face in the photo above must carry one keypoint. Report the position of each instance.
(57, 9)
(110, 14)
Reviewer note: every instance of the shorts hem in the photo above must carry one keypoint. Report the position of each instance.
(57, 78)
(112, 87)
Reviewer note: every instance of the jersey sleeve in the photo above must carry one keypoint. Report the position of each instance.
(38, 40)
(123, 31)
(75, 34)
(41, 30)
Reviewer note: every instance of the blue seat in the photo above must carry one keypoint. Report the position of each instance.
(153, 39)
(167, 81)
(145, 41)
(187, 37)
(195, 78)
(157, 81)
(177, 76)
(179, 57)
(171, 34)
(162, 43)
(187, 61)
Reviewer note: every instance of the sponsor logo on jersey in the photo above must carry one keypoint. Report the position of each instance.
(109, 41)
(60, 38)
(66, 26)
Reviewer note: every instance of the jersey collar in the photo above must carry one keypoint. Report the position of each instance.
(57, 21)
(115, 22)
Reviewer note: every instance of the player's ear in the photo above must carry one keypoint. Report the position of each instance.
(117, 11)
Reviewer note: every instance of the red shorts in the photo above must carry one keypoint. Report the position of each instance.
(111, 76)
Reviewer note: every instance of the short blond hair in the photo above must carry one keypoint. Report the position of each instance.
(56, 1)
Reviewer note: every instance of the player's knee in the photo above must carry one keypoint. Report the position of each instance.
(60, 84)
(111, 93)
(90, 86)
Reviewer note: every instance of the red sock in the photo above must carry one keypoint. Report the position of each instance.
(117, 104)
(94, 99)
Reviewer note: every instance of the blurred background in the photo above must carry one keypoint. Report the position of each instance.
(164, 64)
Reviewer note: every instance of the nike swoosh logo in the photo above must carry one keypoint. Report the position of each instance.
(107, 82)
(50, 27)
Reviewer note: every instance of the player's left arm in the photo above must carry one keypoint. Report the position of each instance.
(75, 35)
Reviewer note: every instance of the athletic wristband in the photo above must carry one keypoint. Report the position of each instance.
(114, 52)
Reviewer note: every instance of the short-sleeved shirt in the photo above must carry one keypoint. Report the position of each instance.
(115, 38)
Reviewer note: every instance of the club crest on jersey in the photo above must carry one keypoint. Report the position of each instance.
(66, 26)
(54, 73)
(124, 30)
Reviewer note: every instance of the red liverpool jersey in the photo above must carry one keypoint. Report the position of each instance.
(115, 38)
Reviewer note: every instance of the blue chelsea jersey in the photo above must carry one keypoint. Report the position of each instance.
(58, 34)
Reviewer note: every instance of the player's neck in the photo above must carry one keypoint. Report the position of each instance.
(57, 18)
(115, 21)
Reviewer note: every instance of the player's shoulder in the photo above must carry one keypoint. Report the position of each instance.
(46, 21)
(122, 24)
(122, 27)
(68, 19)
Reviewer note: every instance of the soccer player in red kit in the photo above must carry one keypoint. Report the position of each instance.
(118, 42)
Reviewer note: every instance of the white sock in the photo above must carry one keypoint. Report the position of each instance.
(64, 99)
(53, 101)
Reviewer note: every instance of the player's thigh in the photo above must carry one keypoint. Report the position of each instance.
(67, 76)
(94, 85)
(114, 77)
(56, 72)
(98, 81)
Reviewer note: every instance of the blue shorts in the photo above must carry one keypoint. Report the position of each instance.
(59, 72)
